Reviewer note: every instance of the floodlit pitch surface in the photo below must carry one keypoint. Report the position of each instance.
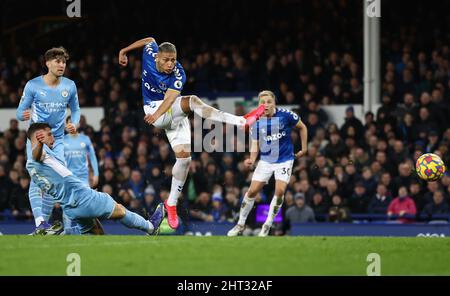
(187, 255)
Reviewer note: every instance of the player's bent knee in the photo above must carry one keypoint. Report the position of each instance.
(182, 151)
(183, 154)
(195, 100)
(186, 104)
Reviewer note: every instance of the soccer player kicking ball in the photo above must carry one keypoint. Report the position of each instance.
(271, 137)
(79, 202)
(163, 79)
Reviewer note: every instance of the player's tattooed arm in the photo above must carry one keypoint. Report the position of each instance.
(123, 59)
(304, 139)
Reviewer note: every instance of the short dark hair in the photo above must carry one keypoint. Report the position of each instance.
(167, 47)
(55, 53)
(35, 127)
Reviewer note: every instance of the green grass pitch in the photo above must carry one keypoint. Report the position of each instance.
(187, 255)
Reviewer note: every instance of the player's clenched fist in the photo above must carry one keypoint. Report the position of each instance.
(71, 128)
(149, 118)
(300, 154)
(123, 59)
(26, 114)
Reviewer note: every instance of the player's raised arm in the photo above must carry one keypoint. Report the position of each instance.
(304, 138)
(23, 111)
(37, 145)
(123, 59)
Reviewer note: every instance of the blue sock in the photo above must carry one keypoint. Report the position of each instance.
(133, 220)
(47, 206)
(35, 197)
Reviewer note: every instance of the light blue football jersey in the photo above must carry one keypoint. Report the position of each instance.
(49, 104)
(77, 149)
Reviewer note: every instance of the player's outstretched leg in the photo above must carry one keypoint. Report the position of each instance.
(133, 220)
(200, 108)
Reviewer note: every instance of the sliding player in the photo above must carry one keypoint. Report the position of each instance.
(79, 202)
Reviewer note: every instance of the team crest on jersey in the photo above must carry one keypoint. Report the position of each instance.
(83, 145)
(178, 84)
(64, 93)
(162, 86)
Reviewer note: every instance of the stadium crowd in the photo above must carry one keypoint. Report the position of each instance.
(362, 167)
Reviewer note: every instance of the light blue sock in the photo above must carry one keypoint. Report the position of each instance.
(35, 197)
(47, 206)
(133, 220)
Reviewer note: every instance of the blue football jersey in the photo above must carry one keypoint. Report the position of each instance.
(49, 104)
(274, 136)
(77, 149)
(154, 83)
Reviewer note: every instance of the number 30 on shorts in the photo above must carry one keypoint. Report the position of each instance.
(285, 171)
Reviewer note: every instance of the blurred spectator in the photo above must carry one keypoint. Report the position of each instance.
(338, 212)
(218, 211)
(300, 212)
(402, 206)
(380, 201)
(20, 204)
(201, 209)
(359, 200)
(437, 206)
(352, 121)
(318, 204)
(150, 203)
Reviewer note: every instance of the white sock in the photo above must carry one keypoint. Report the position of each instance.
(273, 210)
(38, 220)
(206, 111)
(246, 207)
(180, 171)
